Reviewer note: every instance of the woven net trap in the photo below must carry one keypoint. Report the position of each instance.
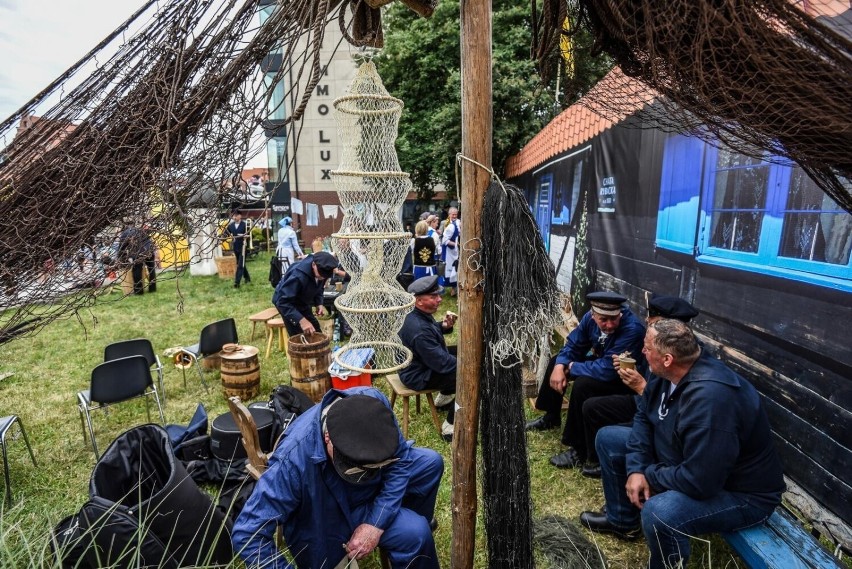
(371, 242)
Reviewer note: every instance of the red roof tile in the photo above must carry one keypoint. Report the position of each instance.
(582, 121)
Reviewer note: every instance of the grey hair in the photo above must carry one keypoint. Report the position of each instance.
(675, 337)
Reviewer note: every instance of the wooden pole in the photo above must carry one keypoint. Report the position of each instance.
(476, 116)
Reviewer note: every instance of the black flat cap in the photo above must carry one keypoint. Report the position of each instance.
(364, 435)
(325, 262)
(671, 307)
(606, 303)
(425, 285)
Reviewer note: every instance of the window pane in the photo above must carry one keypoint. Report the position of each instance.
(739, 200)
(815, 227)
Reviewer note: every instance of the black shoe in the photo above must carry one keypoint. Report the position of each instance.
(236, 285)
(599, 523)
(591, 470)
(543, 423)
(433, 525)
(568, 459)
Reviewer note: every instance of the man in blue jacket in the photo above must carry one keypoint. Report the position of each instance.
(341, 482)
(699, 458)
(433, 365)
(302, 288)
(608, 329)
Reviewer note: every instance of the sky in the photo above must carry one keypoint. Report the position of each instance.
(39, 39)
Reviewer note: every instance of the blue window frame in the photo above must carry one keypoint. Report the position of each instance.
(761, 215)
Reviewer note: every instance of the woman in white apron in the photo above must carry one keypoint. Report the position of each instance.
(288, 244)
(450, 240)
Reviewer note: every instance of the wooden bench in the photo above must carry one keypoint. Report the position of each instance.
(262, 316)
(400, 390)
(780, 543)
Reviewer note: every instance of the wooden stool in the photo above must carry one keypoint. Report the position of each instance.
(262, 316)
(272, 325)
(400, 390)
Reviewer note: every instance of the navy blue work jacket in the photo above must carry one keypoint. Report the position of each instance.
(318, 510)
(298, 291)
(424, 336)
(592, 354)
(710, 434)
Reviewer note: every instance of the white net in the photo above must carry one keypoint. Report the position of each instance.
(371, 243)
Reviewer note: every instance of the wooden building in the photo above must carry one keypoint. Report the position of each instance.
(752, 243)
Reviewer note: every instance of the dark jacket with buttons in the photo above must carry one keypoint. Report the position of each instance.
(298, 291)
(424, 336)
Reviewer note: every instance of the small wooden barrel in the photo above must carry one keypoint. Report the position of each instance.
(309, 358)
(327, 326)
(226, 266)
(241, 373)
(213, 362)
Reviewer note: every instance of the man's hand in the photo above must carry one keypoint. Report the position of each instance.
(559, 379)
(306, 326)
(320, 310)
(632, 379)
(638, 489)
(364, 540)
(449, 320)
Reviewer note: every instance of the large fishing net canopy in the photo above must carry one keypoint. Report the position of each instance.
(371, 242)
(772, 75)
(151, 128)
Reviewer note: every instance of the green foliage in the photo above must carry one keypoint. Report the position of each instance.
(420, 64)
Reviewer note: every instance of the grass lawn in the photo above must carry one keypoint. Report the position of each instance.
(49, 368)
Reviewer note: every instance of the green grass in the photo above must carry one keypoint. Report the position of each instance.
(50, 367)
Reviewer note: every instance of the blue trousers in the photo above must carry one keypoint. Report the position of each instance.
(668, 519)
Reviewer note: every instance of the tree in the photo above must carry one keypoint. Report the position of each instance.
(420, 65)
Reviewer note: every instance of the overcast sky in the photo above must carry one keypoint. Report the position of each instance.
(39, 39)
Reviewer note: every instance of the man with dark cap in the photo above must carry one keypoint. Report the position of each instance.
(341, 483)
(598, 412)
(433, 365)
(609, 328)
(698, 459)
(300, 289)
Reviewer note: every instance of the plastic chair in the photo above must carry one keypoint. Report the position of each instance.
(113, 382)
(137, 347)
(213, 337)
(6, 424)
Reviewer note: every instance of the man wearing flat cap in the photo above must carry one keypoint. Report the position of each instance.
(433, 365)
(609, 328)
(342, 482)
(300, 289)
(599, 412)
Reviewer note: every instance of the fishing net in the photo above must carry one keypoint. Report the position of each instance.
(371, 243)
(768, 75)
(520, 308)
(152, 128)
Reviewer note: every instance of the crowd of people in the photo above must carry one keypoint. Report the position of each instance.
(680, 442)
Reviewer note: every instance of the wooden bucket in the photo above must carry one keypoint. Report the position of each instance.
(309, 358)
(240, 373)
(226, 266)
(327, 326)
(213, 362)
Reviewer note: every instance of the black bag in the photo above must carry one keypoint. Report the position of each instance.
(286, 403)
(441, 269)
(275, 271)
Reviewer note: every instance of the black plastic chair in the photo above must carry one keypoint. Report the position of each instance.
(137, 347)
(213, 337)
(6, 424)
(113, 382)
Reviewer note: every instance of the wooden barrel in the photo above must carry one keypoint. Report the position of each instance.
(309, 358)
(213, 362)
(241, 373)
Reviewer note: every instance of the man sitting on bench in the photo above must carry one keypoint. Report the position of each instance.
(699, 458)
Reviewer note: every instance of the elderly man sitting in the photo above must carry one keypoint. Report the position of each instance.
(342, 482)
(433, 365)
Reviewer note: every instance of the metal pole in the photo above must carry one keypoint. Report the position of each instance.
(476, 119)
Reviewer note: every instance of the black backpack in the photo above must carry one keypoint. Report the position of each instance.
(275, 271)
(286, 403)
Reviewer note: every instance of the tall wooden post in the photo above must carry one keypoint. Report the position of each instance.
(476, 115)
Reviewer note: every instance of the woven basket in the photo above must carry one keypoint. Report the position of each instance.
(226, 266)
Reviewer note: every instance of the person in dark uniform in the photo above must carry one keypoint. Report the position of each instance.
(302, 288)
(586, 360)
(237, 231)
(599, 412)
(341, 483)
(698, 459)
(136, 247)
(433, 365)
